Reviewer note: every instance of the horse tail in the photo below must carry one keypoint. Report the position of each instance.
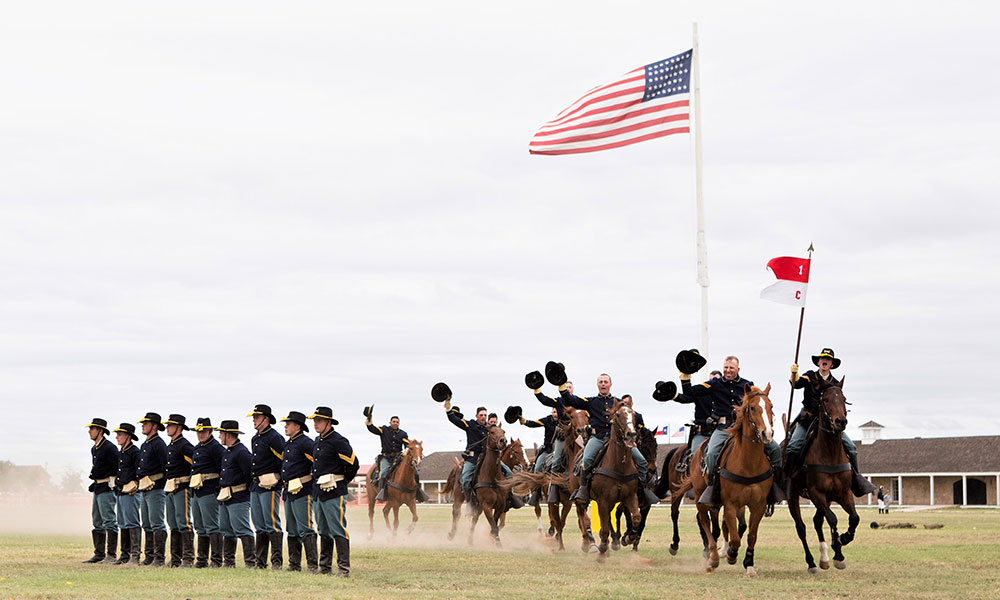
(663, 484)
(522, 482)
(449, 485)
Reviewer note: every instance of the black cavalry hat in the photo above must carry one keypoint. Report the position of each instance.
(230, 427)
(440, 392)
(827, 353)
(512, 414)
(99, 423)
(324, 412)
(127, 428)
(153, 417)
(690, 361)
(296, 417)
(367, 411)
(178, 420)
(534, 380)
(263, 409)
(203, 424)
(665, 391)
(555, 373)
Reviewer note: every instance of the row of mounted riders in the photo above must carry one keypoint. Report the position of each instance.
(502, 473)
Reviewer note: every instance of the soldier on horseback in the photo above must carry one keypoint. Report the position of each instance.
(690, 362)
(811, 383)
(544, 456)
(476, 433)
(394, 440)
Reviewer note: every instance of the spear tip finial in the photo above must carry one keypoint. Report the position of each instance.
(810, 247)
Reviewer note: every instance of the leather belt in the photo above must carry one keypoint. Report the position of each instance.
(105, 480)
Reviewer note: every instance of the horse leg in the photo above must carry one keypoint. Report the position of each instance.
(385, 514)
(395, 519)
(558, 523)
(704, 538)
(616, 535)
(675, 513)
(824, 553)
(538, 519)
(712, 559)
(604, 512)
(800, 529)
(413, 514)
(634, 518)
(742, 518)
(756, 514)
(823, 505)
(725, 534)
(847, 503)
(731, 532)
(643, 513)
(456, 512)
(492, 514)
(475, 519)
(371, 514)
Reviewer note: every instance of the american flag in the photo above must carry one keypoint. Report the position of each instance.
(646, 103)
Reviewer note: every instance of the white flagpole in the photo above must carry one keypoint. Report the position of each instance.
(702, 246)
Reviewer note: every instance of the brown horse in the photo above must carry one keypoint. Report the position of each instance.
(491, 501)
(401, 490)
(745, 478)
(615, 478)
(826, 479)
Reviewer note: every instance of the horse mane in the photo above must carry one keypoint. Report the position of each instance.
(741, 408)
(647, 445)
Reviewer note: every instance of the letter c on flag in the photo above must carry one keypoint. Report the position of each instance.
(798, 294)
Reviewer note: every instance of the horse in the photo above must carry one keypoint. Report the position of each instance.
(615, 478)
(633, 532)
(400, 490)
(826, 479)
(490, 500)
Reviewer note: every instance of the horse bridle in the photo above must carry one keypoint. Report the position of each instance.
(756, 439)
(826, 422)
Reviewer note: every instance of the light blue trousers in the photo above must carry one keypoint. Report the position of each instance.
(469, 467)
(798, 438)
(205, 514)
(541, 461)
(594, 445)
(331, 517)
(265, 510)
(558, 446)
(718, 440)
(102, 511)
(151, 507)
(179, 510)
(298, 515)
(234, 519)
(128, 511)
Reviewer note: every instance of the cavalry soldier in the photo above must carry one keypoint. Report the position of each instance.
(152, 479)
(726, 393)
(234, 496)
(475, 435)
(597, 408)
(104, 468)
(179, 460)
(334, 466)
(550, 423)
(534, 381)
(296, 475)
(493, 420)
(265, 494)
(126, 487)
(826, 362)
(688, 363)
(393, 440)
(206, 468)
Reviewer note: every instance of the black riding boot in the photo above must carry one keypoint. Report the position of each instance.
(553, 493)
(260, 546)
(176, 548)
(514, 501)
(111, 557)
(276, 539)
(187, 549)
(343, 557)
(150, 549)
(125, 550)
(325, 555)
(309, 545)
(777, 493)
(135, 545)
(228, 552)
(421, 494)
(533, 500)
(98, 537)
(582, 494)
(381, 490)
(215, 545)
(712, 494)
(249, 555)
(294, 553)
(204, 544)
(160, 539)
(859, 485)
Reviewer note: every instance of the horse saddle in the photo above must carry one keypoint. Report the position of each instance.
(684, 460)
(578, 464)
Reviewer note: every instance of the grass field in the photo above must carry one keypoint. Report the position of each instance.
(959, 560)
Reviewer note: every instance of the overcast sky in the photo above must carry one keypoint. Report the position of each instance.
(206, 205)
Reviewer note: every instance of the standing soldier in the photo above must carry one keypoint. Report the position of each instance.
(126, 486)
(206, 467)
(179, 460)
(234, 496)
(104, 468)
(265, 494)
(393, 440)
(334, 466)
(296, 474)
(152, 479)
(550, 423)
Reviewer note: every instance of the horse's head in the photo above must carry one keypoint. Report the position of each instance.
(415, 452)
(578, 418)
(623, 424)
(496, 439)
(832, 406)
(647, 444)
(756, 415)
(514, 456)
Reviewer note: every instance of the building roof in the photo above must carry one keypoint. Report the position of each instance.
(970, 454)
(437, 465)
(871, 424)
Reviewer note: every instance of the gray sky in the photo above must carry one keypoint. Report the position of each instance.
(209, 205)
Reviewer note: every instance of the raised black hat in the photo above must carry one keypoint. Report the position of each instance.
(324, 412)
(827, 353)
(263, 409)
(127, 428)
(440, 392)
(178, 420)
(367, 411)
(512, 414)
(555, 373)
(690, 361)
(203, 424)
(153, 417)
(99, 423)
(230, 427)
(665, 391)
(534, 380)
(296, 417)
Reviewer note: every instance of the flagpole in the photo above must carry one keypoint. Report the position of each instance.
(702, 248)
(798, 343)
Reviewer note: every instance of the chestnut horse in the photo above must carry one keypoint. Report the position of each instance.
(491, 501)
(744, 478)
(827, 478)
(401, 490)
(615, 479)
(633, 531)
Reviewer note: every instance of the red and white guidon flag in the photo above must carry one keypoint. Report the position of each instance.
(793, 279)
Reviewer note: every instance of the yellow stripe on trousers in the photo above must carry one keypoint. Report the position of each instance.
(273, 524)
(187, 510)
(343, 524)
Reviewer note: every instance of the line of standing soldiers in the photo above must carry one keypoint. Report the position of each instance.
(216, 487)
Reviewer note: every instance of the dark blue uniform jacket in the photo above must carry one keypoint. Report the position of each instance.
(153, 459)
(393, 440)
(104, 463)
(475, 435)
(179, 459)
(236, 469)
(296, 461)
(267, 447)
(725, 395)
(550, 426)
(597, 407)
(332, 453)
(207, 458)
(128, 466)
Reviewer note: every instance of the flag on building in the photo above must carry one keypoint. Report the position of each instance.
(793, 279)
(644, 104)
(665, 430)
(681, 432)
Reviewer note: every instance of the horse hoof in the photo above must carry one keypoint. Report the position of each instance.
(824, 565)
(840, 564)
(714, 563)
(751, 572)
(731, 559)
(813, 570)
(616, 546)
(593, 548)
(673, 550)
(451, 535)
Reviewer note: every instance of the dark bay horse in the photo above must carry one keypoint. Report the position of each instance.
(633, 531)
(826, 479)
(491, 501)
(615, 478)
(401, 490)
